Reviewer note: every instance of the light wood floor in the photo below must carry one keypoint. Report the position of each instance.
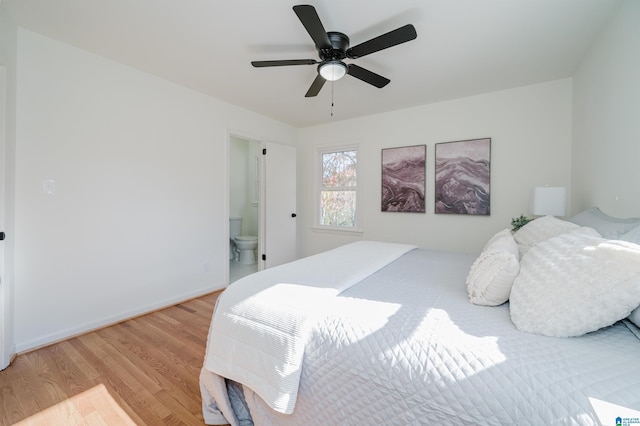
(140, 372)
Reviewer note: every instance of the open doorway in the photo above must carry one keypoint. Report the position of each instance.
(262, 185)
(245, 207)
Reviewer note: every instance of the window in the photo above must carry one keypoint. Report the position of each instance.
(338, 188)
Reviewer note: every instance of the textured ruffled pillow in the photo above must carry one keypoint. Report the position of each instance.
(575, 283)
(491, 275)
(539, 230)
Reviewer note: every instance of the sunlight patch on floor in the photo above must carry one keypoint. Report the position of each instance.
(92, 407)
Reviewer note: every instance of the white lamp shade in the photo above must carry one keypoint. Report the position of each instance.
(333, 71)
(548, 201)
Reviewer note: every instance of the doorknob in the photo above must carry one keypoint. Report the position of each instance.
(293, 215)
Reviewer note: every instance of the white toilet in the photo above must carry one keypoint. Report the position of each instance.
(235, 227)
(241, 247)
(246, 244)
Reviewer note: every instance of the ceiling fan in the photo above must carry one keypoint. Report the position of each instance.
(333, 47)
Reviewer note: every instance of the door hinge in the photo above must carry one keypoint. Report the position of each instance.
(264, 151)
(264, 257)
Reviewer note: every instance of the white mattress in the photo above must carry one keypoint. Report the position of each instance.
(405, 346)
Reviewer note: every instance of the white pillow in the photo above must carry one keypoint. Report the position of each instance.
(539, 230)
(632, 236)
(491, 275)
(635, 316)
(574, 283)
(607, 226)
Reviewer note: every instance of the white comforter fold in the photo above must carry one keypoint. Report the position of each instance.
(261, 323)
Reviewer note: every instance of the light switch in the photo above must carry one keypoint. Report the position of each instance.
(49, 186)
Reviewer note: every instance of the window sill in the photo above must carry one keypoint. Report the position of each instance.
(341, 231)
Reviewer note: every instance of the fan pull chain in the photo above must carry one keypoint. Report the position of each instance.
(332, 98)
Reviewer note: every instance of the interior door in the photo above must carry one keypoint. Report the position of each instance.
(280, 204)
(5, 320)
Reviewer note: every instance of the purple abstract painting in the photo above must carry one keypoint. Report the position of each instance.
(403, 179)
(463, 177)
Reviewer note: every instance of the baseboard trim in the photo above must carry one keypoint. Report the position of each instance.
(67, 334)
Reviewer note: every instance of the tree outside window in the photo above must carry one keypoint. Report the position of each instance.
(339, 185)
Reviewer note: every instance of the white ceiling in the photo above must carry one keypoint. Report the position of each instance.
(464, 47)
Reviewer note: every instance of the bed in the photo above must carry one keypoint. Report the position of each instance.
(374, 333)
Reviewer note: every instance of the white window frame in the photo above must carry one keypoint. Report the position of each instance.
(317, 194)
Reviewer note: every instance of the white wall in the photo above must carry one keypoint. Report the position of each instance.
(238, 176)
(606, 146)
(244, 192)
(530, 129)
(139, 219)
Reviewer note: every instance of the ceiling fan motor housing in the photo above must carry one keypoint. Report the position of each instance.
(338, 49)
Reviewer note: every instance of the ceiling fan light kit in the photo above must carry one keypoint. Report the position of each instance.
(332, 70)
(333, 47)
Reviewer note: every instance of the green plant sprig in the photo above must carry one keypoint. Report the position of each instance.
(519, 222)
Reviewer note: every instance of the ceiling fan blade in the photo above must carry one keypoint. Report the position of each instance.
(384, 41)
(367, 76)
(260, 64)
(315, 87)
(309, 18)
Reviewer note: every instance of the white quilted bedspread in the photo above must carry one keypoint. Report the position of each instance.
(262, 323)
(405, 347)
